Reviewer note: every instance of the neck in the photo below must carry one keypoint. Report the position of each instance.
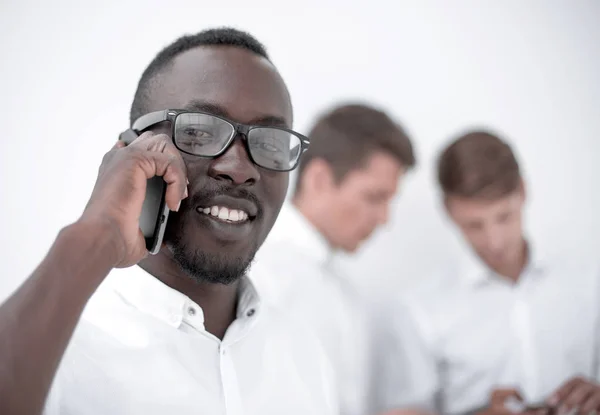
(514, 269)
(312, 214)
(218, 301)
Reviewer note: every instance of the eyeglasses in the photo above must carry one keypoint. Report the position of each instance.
(207, 135)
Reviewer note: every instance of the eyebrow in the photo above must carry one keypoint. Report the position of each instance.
(214, 109)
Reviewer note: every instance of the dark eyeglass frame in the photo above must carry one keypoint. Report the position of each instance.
(149, 120)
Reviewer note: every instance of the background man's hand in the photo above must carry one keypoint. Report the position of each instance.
(498, 404)
(118, 195)
(577, 394)
(407, 412)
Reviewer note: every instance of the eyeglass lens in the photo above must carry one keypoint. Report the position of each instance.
(207, 135)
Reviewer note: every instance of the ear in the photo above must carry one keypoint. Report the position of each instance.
(317, 177)
(447, 205)
(522, 189)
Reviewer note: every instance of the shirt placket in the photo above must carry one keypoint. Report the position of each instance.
(229, 379)
(523, 348)
(231, 391)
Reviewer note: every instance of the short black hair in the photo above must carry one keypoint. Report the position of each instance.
(225, 36)
(347, 135)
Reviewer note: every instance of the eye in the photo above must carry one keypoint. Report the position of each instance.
(195, 132)
(475, 226)
(503, 218)
(268, 147)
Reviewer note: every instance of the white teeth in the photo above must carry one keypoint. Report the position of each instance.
(223, 213)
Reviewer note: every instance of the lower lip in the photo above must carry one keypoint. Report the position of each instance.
(225, 230)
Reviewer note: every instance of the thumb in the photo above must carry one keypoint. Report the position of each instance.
(499, 396)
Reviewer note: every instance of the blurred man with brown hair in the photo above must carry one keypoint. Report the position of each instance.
(345, 184)
(513, 328)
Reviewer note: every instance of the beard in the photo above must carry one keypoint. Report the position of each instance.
(220, 267)
(209, 267)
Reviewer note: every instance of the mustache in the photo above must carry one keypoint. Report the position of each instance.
(205, 194)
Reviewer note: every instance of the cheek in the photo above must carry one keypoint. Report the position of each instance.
(353, 216)
(516, 228)
(196, 168)
(476, 238)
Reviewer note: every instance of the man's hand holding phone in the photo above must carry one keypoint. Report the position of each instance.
(118, 195)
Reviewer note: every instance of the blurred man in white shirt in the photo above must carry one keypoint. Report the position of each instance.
(513, 323)
(346, 182)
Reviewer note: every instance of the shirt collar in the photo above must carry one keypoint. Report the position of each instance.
(153, 297)
(476, 272)
(248, 299)
(293, 226)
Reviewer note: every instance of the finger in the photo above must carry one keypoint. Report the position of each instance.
(499, 396)
(176, 187)
(159, 157)
(565, 390)
(172, 169)
(151, 141)
(579, 395)
(159, 143)
(142, 242)
(591, 403)
(141, 138)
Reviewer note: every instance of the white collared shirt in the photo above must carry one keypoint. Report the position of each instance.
(141, 349)
(293, 270)
(468, 332)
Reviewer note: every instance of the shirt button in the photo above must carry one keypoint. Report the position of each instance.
(191, 311)
(250, 312)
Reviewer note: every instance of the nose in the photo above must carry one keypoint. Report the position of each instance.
(234, 166)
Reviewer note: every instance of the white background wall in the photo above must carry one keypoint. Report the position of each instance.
(529, 69)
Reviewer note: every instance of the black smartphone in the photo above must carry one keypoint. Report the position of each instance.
(155, 212)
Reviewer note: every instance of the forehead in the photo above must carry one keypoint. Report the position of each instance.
(380, 171)
(246, 86)
(469, 208)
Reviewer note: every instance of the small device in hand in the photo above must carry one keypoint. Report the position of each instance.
(155, 212)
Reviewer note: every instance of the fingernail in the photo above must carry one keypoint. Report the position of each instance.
(185, 193)
(178, 205)
(188, 182)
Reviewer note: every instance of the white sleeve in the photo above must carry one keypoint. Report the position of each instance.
(52, 404)
(405, 372)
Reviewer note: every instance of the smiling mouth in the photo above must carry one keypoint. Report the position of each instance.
(225, 214)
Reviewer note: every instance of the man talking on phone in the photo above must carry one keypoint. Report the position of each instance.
(184, 331)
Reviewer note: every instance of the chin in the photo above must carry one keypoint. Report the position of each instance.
(209, 267)
(351, 248)
(206, 257)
